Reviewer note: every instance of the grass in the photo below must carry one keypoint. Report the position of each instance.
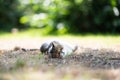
(42, 33)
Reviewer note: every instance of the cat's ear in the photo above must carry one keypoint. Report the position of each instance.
(57, 45)
(54, 43)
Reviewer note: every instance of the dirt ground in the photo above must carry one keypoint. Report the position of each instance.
(94, 60)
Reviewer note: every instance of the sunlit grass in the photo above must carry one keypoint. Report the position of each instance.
(30, 33)
(42, 33)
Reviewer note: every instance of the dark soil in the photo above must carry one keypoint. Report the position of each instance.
(88, 58)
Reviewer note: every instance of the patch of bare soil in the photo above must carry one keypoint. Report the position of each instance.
(82, 62)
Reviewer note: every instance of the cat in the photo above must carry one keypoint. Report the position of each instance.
(57, 49)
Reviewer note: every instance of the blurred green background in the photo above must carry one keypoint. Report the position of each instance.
(61, 16)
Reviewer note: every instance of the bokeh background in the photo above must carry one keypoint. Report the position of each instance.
(93, 25)
(61, 16)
